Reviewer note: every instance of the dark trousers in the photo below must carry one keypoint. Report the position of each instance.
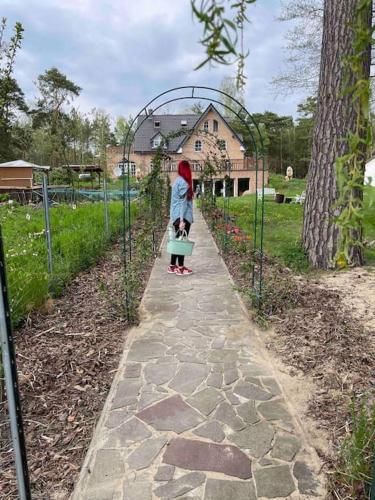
(180, 258)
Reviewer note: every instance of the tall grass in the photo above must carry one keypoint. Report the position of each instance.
(78, 241)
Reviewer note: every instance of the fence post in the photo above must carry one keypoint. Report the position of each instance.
(106, 219)
(47, 222)
(11, 382)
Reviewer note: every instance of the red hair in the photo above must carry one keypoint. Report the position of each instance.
(184, 171)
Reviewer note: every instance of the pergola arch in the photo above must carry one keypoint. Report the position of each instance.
(192, 93)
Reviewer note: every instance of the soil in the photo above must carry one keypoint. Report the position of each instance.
(67, 356)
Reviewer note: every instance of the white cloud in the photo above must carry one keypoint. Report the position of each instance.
(122, 52)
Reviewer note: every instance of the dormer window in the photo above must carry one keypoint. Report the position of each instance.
(157, 124)
(215, 126)
(205, 126)
(157, 141)
(198, 146)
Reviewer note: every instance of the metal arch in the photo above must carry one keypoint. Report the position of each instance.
(259, 155)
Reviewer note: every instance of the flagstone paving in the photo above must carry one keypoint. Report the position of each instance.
(195, 411)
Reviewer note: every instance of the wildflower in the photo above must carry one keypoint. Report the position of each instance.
(74, 206)
(28, 216)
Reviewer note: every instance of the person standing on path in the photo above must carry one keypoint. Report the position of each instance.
(181, 213)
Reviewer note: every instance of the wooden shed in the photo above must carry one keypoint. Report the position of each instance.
(17, 174)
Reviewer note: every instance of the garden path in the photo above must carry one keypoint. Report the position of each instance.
(195, 410)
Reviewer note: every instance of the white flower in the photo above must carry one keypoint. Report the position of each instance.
(74, 206)
(28, 216)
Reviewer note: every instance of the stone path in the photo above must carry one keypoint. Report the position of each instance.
(195, 412)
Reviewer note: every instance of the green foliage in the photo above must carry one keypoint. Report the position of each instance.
(78, 241)
(222, 35)
(11, 96)
(350, 166)
(283, 222)
(357, 452)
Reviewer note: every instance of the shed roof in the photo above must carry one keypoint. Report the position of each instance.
(23, 164)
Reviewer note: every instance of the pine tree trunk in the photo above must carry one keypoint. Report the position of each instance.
(335, 117)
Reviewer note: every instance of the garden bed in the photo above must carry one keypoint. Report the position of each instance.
(318, 337)
(67, 355)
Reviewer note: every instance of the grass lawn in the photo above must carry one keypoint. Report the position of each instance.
(78, 241)
(283, 222)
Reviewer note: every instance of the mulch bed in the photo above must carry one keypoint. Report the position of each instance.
(316, 336)
(67, 356)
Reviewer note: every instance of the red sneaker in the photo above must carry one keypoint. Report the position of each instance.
(172, 269)
(182, 271)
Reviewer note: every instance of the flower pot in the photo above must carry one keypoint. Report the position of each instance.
(279, 198)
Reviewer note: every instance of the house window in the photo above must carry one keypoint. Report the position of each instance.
(156, 124)
(215, 126)
(158, 140)
(205, 126)
(198, 146)
(222, 145)
(123, 167)
(196, 166)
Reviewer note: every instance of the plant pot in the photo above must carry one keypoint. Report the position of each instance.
(288, 200)
(279, 198)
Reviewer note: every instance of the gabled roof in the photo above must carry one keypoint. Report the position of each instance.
(22, 164)
(170, 124)
(209, 108)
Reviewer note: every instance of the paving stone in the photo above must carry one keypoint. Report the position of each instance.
(133, 370)
(254, 380)
(144, 350)
(188, 378)
(164, 473)
(211, 430)
(137, 490)
(251, 391)
(160, 373)
(127, 393)
(108, 467)
(171, 414)
(206, 400)
(264, 462)
(188, 357)
(254, 370)
(180, 486)
(232, 398)
(274, 482)
(285, 448)
(271, 384)
(227, 415)
(215, 380)
(222, 355)
(148, 398)
(129, 432)
(117, 417)
(248, 412)
(307, 483)
(230, 376)
(218, 489)
(199, 455)
(105, 492)
(146, 453)
(274, 410)
(256, 438)
(218, 343)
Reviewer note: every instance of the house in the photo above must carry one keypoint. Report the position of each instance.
(18, 174)
(208, 137)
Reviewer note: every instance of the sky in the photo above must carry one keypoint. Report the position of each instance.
(122, 53)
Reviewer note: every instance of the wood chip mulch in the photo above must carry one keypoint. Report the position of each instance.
(67, 356)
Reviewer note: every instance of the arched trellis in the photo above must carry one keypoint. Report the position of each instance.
(251, 126)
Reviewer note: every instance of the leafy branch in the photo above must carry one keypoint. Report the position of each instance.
(223, 34)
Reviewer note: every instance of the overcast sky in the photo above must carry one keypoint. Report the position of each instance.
(124, 52)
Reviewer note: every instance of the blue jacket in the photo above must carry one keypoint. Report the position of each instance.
(181, 207)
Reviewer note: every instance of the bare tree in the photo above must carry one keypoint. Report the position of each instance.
(303, 46)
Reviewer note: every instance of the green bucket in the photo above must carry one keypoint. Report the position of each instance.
(180, 245)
